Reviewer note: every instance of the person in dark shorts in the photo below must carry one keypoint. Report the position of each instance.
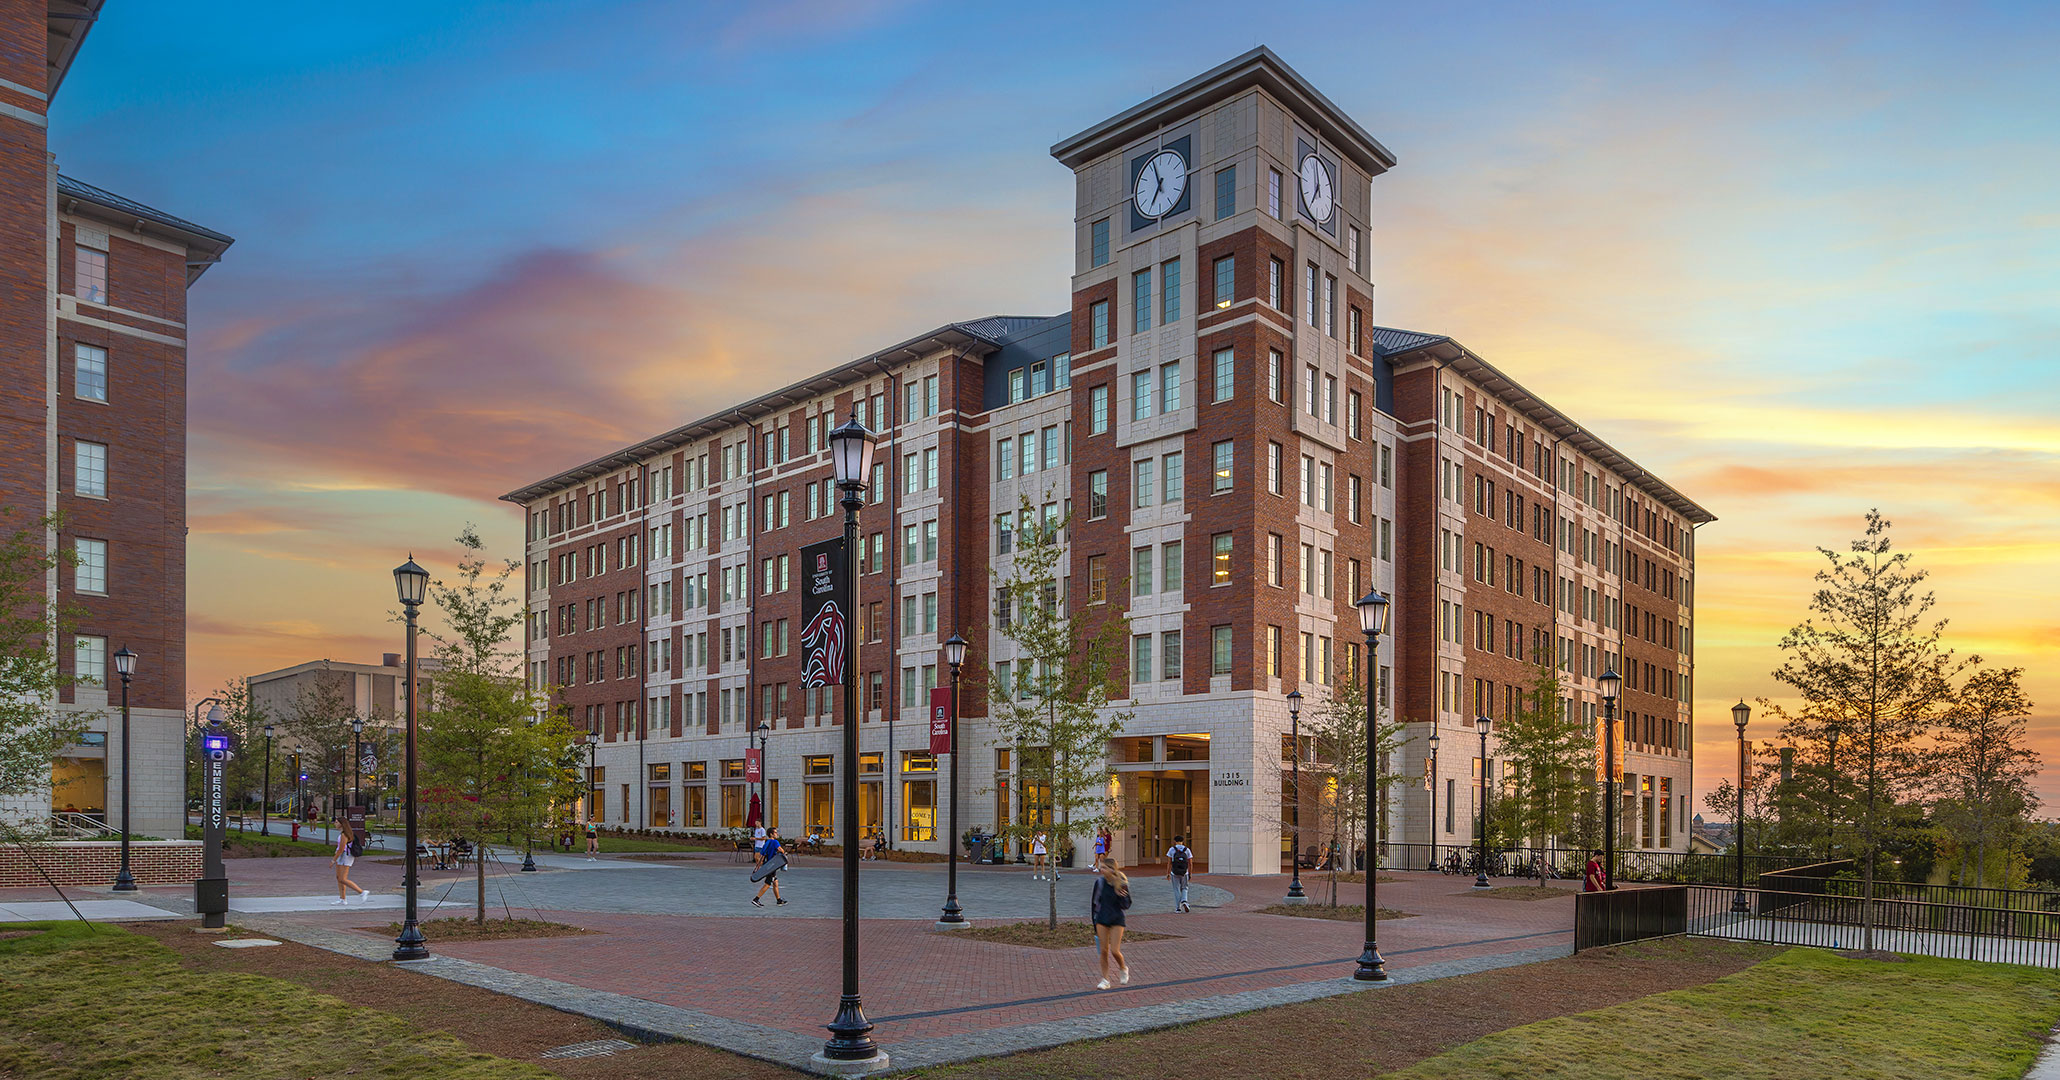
(770, 851)
(1106, 902)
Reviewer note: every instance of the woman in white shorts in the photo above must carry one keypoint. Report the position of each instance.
(1037, 855)
(343, 861)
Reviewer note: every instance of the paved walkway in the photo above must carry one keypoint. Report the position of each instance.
(680, 951)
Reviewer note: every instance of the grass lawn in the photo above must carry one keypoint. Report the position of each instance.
(256, 845)
(1069, 935)
(1341, 913)
(95, 1002)
(1802, 1015)
(490, 930)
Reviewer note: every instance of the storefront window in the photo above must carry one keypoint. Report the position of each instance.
(919, 809)
(661, 807)
(733, 806)
(819, 808)
(696, 799)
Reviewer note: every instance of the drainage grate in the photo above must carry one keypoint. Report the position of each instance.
(597, 1048)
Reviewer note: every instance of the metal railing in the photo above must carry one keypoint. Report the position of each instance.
(1664, 867)
(75, 826)
(2008, 935)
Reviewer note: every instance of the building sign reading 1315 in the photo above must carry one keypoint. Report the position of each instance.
(1230, 779)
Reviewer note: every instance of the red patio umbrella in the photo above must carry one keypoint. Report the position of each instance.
(751, 818)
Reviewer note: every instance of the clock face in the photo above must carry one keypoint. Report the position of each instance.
(1160, 183)
(1317, 193)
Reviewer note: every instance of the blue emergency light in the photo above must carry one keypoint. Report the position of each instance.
(215, 744)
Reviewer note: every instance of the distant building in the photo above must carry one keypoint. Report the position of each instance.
(93, 337)
(1707, 838)
(372, 693)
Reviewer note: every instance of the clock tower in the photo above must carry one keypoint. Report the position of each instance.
(1227, 398)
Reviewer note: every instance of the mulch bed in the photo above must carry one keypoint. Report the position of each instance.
(1519, 892)
(1069, 935)
(491, 930)
(1340, 913)
(486, 1021)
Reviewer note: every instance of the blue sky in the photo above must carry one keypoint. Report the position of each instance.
(1800, 260)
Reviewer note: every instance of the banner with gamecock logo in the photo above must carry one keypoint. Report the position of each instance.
(825, 620)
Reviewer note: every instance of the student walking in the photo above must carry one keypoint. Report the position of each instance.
(1101, 843)
(593, 842)
(1037, 855)
(1179, 860)
(772, 859)
(1106, 902)
(344, 857)
(1594, 878)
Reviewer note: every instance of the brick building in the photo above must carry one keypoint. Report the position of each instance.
(1242, 453)
(93, 423)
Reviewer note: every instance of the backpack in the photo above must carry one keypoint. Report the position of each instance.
(1180, 859)
(357, 846)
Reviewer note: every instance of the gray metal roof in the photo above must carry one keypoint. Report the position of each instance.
(985, 333)
(204, 246)
(65, 30)
(79, 189)
(1441, 348)
(1259, 67)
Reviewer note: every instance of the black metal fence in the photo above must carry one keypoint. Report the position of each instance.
(1617, 916)
(1817, 913)
(1664, 867)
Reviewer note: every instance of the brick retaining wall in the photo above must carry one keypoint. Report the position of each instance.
(94, 862)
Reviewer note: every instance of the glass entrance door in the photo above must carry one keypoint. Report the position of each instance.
(1164, 813)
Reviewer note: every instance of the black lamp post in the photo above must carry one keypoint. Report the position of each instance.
(1295, 894)
(357, 758)
(851, 1034)
(953, 918)
(1434, 798)
(763, 731)
(1611, 683)
(125, 665)
(265, 809)
(1480, 878)
(412, 582)
(1741, 713)
(1373, 621)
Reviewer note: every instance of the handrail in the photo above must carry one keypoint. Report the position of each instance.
(78, 826)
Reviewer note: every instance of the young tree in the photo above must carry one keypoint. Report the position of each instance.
(1056, 708)
(32, 731)
(1553, 757)
(1981, 771)
(1337, 737)
(243, 776)
(1868, 669)
(493, 753)
(320, 726)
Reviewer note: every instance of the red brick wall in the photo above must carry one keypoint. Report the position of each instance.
(24, 277)
(95, 862)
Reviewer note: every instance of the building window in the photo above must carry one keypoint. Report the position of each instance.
(1226, 280)
(1219, 650)
(1352, 248)
(1330, 399)
(1169, 288)
(1098, 494)
(1310, 300)
(89, 372)
(1175, 477)
(90, 575)
(89, 468)
(1353, 325)
(1273, 559)
(1330, 305)
(1273, 453)
(1169, 655)
(1226, 374)
(1273, 192)
(90, 283)
(1143, 473)
(1226, 192)
(1273, 652)
(1140, 658)
(1141, 395)
(89, 660)
(1040, 380)
(1171, 570)
(1141, 301)
(1169, 387)
(1005, 458)
(1276, 284)
(1017, 388)
(1219, 559)
(1098, 243)
(1352, 414)
(1141, 571)
(1224, 452)
(1062, 371)
(1097, 579)
(1276, 373)
(1098, 410)
(1097, 324)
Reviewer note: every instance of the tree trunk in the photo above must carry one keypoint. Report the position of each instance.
(479, 875)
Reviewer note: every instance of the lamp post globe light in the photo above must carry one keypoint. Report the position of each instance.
(1741, 714)
(851, 1046)
(125, 666)
(1611, 683)
(1295, 895)
(412, 583)
(1433, 740)
(265, 808)
(953, 918)
(1373, 622)
(1480, 879)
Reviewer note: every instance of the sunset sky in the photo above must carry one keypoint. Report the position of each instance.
(1799, 262)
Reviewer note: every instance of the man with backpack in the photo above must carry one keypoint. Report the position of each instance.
(1179, 861)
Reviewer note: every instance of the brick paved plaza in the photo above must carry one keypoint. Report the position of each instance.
(681, 934)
